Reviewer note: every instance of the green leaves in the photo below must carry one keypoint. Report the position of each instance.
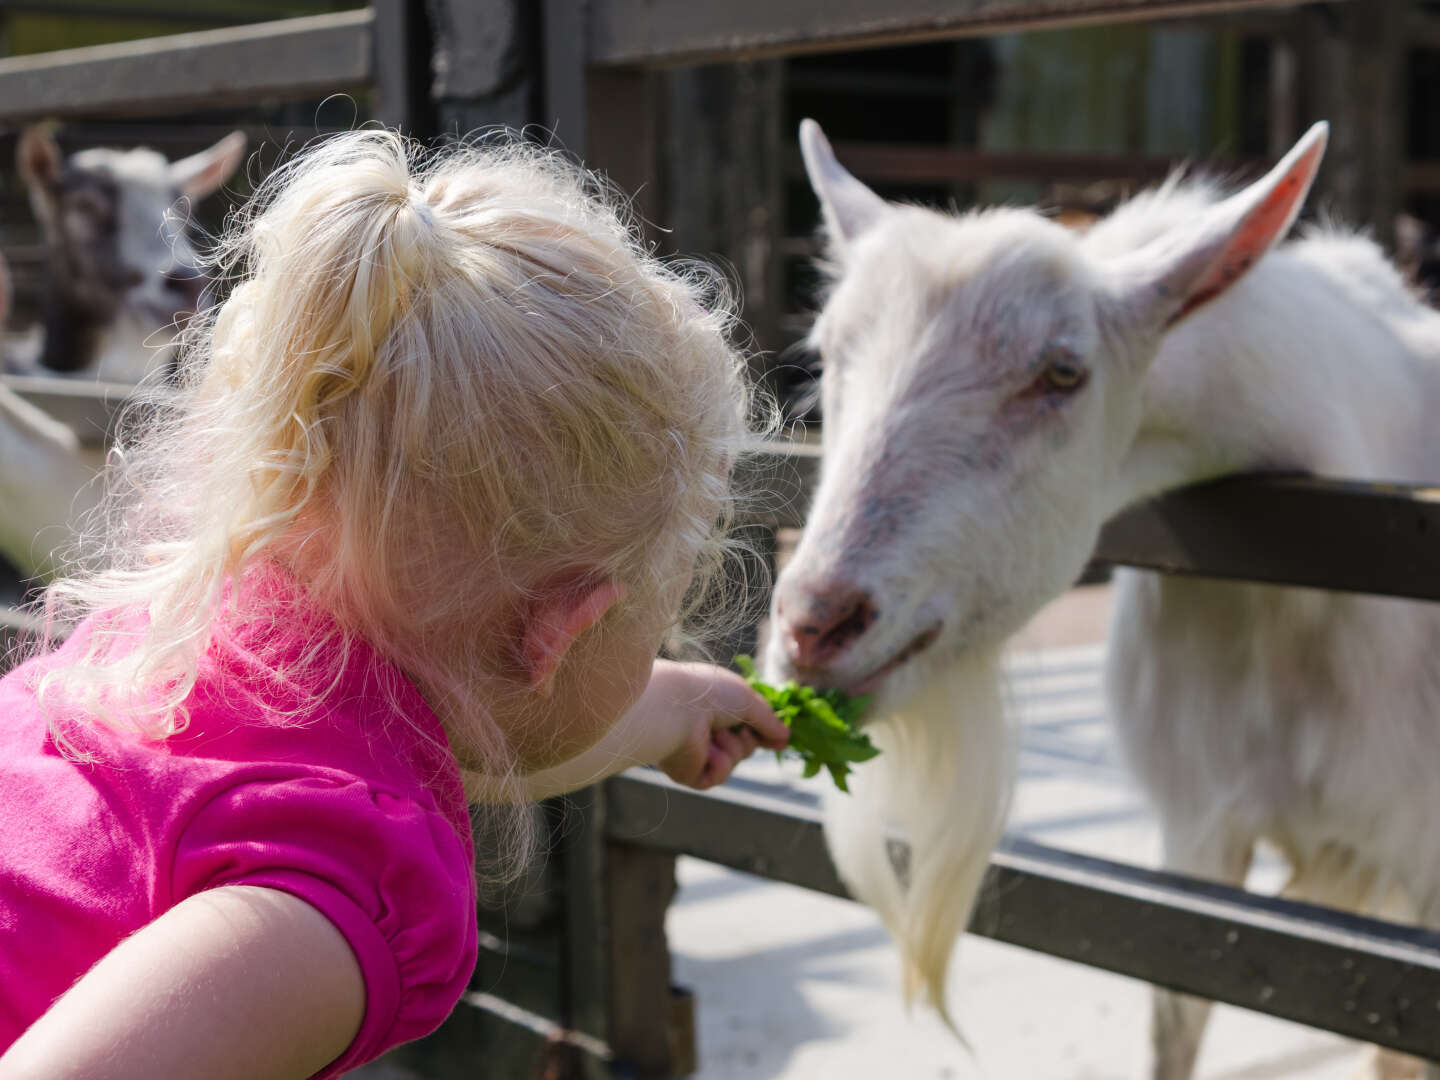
(820, 722)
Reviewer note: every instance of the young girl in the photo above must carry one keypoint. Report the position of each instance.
(440, 475)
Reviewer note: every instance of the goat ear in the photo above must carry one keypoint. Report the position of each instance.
(1193, 264)
(201, 174)
(849, 206)
(39, 157)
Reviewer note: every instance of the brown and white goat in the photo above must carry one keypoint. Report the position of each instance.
(122, 272)
(123, 276)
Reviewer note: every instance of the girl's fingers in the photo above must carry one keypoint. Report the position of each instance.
(716, 771)
(731, 744)
(696, 761)
(755, 713)
(739, 721)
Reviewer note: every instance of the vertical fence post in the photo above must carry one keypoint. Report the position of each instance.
(1356, 79)
(580, 846)
(617, 966)
(486, 65)
(722, 179)
(621, 141)
(651, 1024)
(402, 46)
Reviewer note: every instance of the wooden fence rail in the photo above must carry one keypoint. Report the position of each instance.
(285, 58)
(1320, 532)
(1329, 969)
(644, 32)
(1312, 531)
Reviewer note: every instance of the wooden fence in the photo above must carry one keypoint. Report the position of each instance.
(575, 969)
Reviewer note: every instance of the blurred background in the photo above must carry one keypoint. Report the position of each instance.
(1073, 119)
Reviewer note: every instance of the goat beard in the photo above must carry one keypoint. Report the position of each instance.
(944, 781)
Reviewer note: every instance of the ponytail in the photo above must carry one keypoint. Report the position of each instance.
(435, 383)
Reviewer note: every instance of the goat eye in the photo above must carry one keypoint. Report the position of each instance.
(1064, 373)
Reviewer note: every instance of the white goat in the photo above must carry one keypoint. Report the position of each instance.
(123, 273)
(995, 388)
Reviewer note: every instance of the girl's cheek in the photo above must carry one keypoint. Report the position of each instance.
(586, 704)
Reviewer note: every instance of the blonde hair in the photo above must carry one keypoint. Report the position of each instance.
(439, 381)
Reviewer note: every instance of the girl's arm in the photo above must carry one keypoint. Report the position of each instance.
(682, 722)
(233, 983)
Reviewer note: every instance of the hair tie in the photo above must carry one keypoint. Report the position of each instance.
(422, 210)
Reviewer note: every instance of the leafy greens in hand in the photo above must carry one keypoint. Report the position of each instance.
(821, 723)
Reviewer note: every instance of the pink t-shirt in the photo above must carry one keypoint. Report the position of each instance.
(353, 808)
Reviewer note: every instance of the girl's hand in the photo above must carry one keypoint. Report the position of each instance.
(711, 720)
(695, 721)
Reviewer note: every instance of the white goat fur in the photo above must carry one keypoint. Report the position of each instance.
(955, 494)
(48, 483)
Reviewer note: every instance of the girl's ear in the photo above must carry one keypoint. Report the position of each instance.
(557, 617)
(1166, 280)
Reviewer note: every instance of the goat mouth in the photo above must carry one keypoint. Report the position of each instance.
(918, 644)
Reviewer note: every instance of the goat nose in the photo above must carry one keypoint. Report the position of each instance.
(819, 623)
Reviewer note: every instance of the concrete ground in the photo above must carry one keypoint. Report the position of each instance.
(792, 984)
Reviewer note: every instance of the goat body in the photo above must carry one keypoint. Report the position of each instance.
(1301, 717)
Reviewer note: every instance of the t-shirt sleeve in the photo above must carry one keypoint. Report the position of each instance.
(389, 873)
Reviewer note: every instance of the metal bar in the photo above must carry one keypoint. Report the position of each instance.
(543, 1026)
(285, 58)
(1289, 530)
(1358, 977)
(566, 106)
(649, 32)
(1281, 530)
(777, 480)
(400, 65)
(90, 409)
